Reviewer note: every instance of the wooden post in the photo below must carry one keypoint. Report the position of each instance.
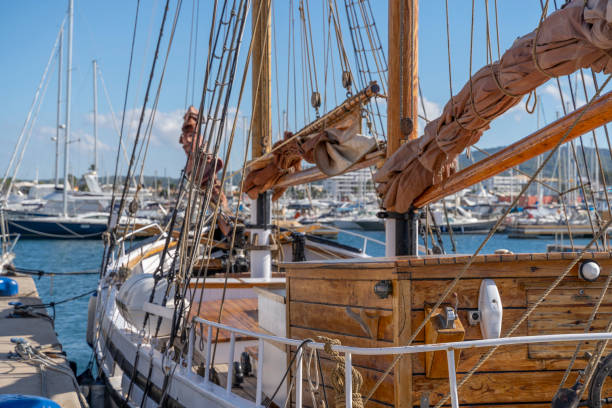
(402, 102)
(261, 260)
(401, 230)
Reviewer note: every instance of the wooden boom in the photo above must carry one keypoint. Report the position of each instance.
(314, 174)
(597, 114)
(328, 119)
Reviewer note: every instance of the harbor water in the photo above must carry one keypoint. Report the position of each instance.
(85, 255)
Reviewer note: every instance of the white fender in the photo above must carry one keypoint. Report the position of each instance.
(133, 303)
(91, 314)
(491, 310)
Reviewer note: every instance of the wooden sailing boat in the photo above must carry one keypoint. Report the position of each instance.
(424, 330)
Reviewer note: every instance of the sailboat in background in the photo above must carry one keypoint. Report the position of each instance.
(57, 210)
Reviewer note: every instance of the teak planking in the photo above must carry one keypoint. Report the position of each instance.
(541, 141)
(321, 294)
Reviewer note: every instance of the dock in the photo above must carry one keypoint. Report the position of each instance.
(21, 376)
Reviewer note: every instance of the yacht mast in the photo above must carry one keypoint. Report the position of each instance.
(95, 114)
(68, 91)
(261, 259)
(401, 230)
(60, 58)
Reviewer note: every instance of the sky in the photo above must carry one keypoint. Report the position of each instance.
(103, 31)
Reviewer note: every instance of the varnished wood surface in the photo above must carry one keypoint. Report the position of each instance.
(239, 313)
(321, 294)
(541, 141)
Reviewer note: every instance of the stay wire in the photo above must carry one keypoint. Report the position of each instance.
(470, 261)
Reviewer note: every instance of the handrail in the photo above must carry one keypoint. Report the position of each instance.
(365, 238)
(419, 348)
(348, 351)
(146, 227)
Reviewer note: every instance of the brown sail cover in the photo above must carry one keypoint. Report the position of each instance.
(333, 150)
(206, 169)
(577, 36)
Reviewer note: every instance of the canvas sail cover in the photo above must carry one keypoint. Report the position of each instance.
(577, 36)
(333, 150)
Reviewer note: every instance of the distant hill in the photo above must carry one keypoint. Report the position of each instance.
(551, 168)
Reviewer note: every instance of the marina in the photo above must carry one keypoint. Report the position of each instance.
(347, 217)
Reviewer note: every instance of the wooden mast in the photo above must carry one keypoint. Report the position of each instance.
(262, 70)
(262, 133)
(401, 229)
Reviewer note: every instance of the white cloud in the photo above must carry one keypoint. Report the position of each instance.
(432, 109)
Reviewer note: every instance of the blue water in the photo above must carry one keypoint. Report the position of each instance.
(64, 256)
(69, 255)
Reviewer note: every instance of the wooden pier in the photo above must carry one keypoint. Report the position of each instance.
(21, 376)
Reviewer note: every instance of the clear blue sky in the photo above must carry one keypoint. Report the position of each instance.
(103, 32)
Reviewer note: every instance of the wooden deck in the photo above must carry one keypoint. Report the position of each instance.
(20, 377)
(239, 313)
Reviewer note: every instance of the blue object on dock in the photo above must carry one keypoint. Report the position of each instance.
(8, 287)
(26, 401)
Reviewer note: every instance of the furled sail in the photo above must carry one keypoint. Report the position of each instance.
(206, 169)
(333, 142)
(333, 150)
(577, 36)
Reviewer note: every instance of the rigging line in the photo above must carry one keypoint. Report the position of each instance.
(528, 312)
(113, 118)
(586, 166)
(293, 48)
(195, 47)
(587, 329)
(232, 60)
(194, 154)
(289, 50)
(579, 173)
(153, 112)
(603, 176)
(595, 85)
(470, 261)
(190, 51)
(278, 104)
(381, 69)
(108, 247)
(32, 107)
(213, 40)
(131, 164)
(134, 111)
(233, 239)
(210, 185)
(143, 111)
(28, 136)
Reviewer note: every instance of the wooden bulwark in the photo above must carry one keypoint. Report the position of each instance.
(597, 114)
(337, 300)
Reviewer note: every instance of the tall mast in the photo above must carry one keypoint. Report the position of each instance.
(402, 102)
(60, 58)
(68, 91)
(95, 113)
(261, 260)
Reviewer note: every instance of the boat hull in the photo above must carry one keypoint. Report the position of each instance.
(49, 227)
